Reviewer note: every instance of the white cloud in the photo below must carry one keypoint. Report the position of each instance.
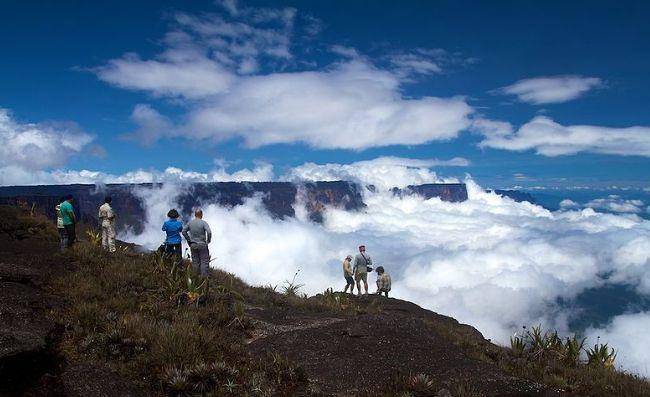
(29, 149)
(383, 172)
(614, 203)
(554, 89)
(204, 53)
(352, 106)
(151, 125)
(627, 334)
(425, 61)
(212, 66)
(549, 138)
(568, 204)
(415, 63)
(490, 262)
(36, 146)
(17, 176)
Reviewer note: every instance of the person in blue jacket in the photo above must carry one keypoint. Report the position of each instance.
(173, 227)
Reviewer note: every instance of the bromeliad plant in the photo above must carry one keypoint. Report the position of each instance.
(601, 355)
(572, 349)
(537, 345)
(94, 237)
(195, 287)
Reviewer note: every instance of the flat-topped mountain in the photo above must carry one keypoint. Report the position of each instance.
(278, 197)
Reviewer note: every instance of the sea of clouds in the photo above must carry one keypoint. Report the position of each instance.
(489, 261)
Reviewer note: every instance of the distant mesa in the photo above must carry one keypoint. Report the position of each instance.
(278, 197)
(516, 195)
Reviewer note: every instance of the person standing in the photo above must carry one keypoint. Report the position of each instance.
(362, 264)
(198, 235)
(69, 220)
(347, 273)
(107, 219)
(173, 228)
(383, 281)
(63, 236)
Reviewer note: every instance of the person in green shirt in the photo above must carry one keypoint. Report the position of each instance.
(69, 219)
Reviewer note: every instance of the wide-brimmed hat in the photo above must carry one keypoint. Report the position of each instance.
(173, 213)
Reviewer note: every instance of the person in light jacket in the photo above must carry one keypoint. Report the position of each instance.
(198, 235)
(362, 264)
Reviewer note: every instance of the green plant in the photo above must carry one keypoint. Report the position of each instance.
(601, 355)
(176, 382)
(421, 385)
(518, 345)
(94, 237)
(571, 350)
(239, 314)
(291, 288)
(195, 289)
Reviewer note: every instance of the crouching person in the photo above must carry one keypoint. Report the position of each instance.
(383, 281)
(198, 235)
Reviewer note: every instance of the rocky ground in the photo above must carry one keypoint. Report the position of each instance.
(359, 354)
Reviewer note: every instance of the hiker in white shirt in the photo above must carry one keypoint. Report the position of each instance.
(107, 220)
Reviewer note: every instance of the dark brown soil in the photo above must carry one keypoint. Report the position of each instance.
(30, 364)
(359, 354)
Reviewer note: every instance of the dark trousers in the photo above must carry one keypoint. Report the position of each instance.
(63, 238)
(72, 234)
(174, 250)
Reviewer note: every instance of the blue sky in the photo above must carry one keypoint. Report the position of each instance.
(66, 72)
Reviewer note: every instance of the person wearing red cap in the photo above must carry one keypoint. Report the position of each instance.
(362, 265)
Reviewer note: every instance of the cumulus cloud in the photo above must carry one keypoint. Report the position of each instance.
(626, 333)
(383, 172)
(16, 176)
(352, 106)
(550, 138)
(213, 64)
(614, 203)
(35, 146)
(490, 261)
(569, 204)
(27, 149)
(554, 89)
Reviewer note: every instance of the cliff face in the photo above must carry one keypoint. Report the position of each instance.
(516, 195)
(452, 192)
(278, 197)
